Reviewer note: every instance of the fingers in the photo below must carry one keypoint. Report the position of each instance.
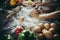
(34, 14)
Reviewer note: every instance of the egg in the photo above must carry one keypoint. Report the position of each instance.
(56, 36)
(36, 29)
(41, 25)
(44, 30)
(53, 25)
(47, 26)
(39, 36)
(21, 19)
(48, 34)
(52, 30)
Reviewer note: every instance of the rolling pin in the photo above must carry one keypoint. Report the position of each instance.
(13, 12)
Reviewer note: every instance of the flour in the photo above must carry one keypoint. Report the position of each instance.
(28, 21)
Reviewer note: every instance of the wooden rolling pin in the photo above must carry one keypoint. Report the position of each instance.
(13, 12)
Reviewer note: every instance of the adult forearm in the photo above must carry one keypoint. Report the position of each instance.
(52, 15)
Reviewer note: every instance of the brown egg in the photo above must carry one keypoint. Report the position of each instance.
(56, 36)
(34, 14)
(44, 30)
(53, 25)
(47, 26)
(40, 35)
(48, 34)
(21, 19)
(52, 30)
(41, 25)
(37, 30)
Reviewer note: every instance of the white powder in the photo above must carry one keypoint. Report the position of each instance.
(28, 21)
